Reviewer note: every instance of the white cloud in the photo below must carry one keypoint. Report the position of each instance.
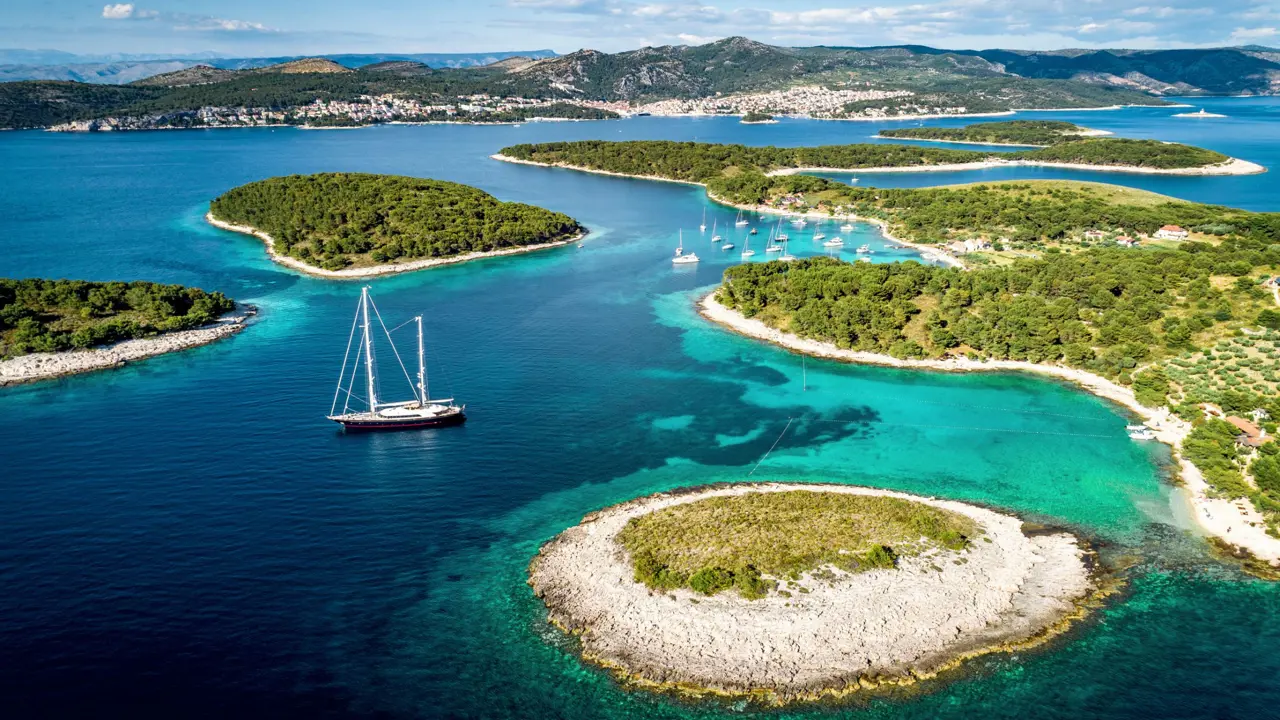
(119, 11)
(1254, 34)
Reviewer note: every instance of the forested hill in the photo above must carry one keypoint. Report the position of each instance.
(54, 315)
(1011, 132)
(702, 162)
(336, 220)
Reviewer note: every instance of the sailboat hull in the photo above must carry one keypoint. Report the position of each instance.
(364, 422)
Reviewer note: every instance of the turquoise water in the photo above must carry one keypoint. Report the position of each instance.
(189, 537)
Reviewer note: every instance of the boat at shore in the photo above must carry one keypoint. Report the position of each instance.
(420, 412)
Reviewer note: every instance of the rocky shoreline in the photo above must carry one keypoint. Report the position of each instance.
(1234, 523)
(44, 366)
(841, 634)
(376, 270)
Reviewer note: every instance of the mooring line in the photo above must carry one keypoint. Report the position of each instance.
(771, 447)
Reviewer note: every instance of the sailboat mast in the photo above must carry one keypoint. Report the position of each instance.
(422, 366)
(368, 349)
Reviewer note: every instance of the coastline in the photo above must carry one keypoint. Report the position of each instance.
(46, 366)
(376, 270)
(1230, 521)
(841, 634)
(1086, 133)
(1232, 166)
(941, 254)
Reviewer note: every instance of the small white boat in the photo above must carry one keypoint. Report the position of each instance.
(703, 226)
(773, 249)
(783, 237)
(715, 237)
(786, 256)
(864, 259)
(727, 246)
(799, 222)
(846, 227)
(741, 220)
(681, 258)
(1143, 434)
(746, 249)
(833, 243)
(864, 250)
(819, 236)
(853, 181)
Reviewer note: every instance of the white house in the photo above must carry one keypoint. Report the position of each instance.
(1172, 232)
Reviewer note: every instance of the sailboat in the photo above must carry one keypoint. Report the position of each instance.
(786, 256)
(420, 412)
(680, 258)
(715, 237)
(819, 236)
(770, 247)
(703, 226)
(746, 248)
(741, 220)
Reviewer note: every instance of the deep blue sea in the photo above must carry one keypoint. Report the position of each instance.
(189, 537)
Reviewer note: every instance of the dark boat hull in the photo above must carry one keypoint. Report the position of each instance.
(403, 424)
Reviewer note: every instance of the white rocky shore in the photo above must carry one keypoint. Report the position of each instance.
(890, 625)
(1235, 522)
(376, 270)
(43, 366)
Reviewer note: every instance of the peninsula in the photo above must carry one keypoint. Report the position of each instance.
(352, 225)
(1063, 285)
(50, 328)
(1016, 133)
(795, 591)
(702, 162)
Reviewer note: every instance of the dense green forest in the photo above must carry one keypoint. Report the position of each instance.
(755, 116)
(333, 220)
(52, 315)
(704, 162)
(1138, 317)
(1010, 132)
(1124, 151)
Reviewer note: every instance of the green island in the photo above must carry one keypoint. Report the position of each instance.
(46, 316)
(707, 162)
(1184, 325)
(334, 221)
(745, 541)
(1041, 133)
(756, 116)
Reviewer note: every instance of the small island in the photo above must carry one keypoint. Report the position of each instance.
(1016, 133)
(352, 225)
(755, 117)
(51, 328)
(787, 592)
(700, 162)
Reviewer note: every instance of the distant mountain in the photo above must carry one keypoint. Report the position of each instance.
(1251, 70)
(17, 65)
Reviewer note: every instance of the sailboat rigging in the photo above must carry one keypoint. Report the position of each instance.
(420, 412)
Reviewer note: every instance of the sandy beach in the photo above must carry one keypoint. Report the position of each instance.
(1235, 522)
(376, 270)
(842, 633)
(43, 366)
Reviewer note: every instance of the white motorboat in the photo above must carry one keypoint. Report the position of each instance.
(681, 257)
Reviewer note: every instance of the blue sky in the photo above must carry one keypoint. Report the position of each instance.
(280, 27)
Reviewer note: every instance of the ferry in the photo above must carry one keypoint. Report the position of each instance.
(420, 412)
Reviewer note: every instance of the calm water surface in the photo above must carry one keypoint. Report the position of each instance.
(189, 537)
